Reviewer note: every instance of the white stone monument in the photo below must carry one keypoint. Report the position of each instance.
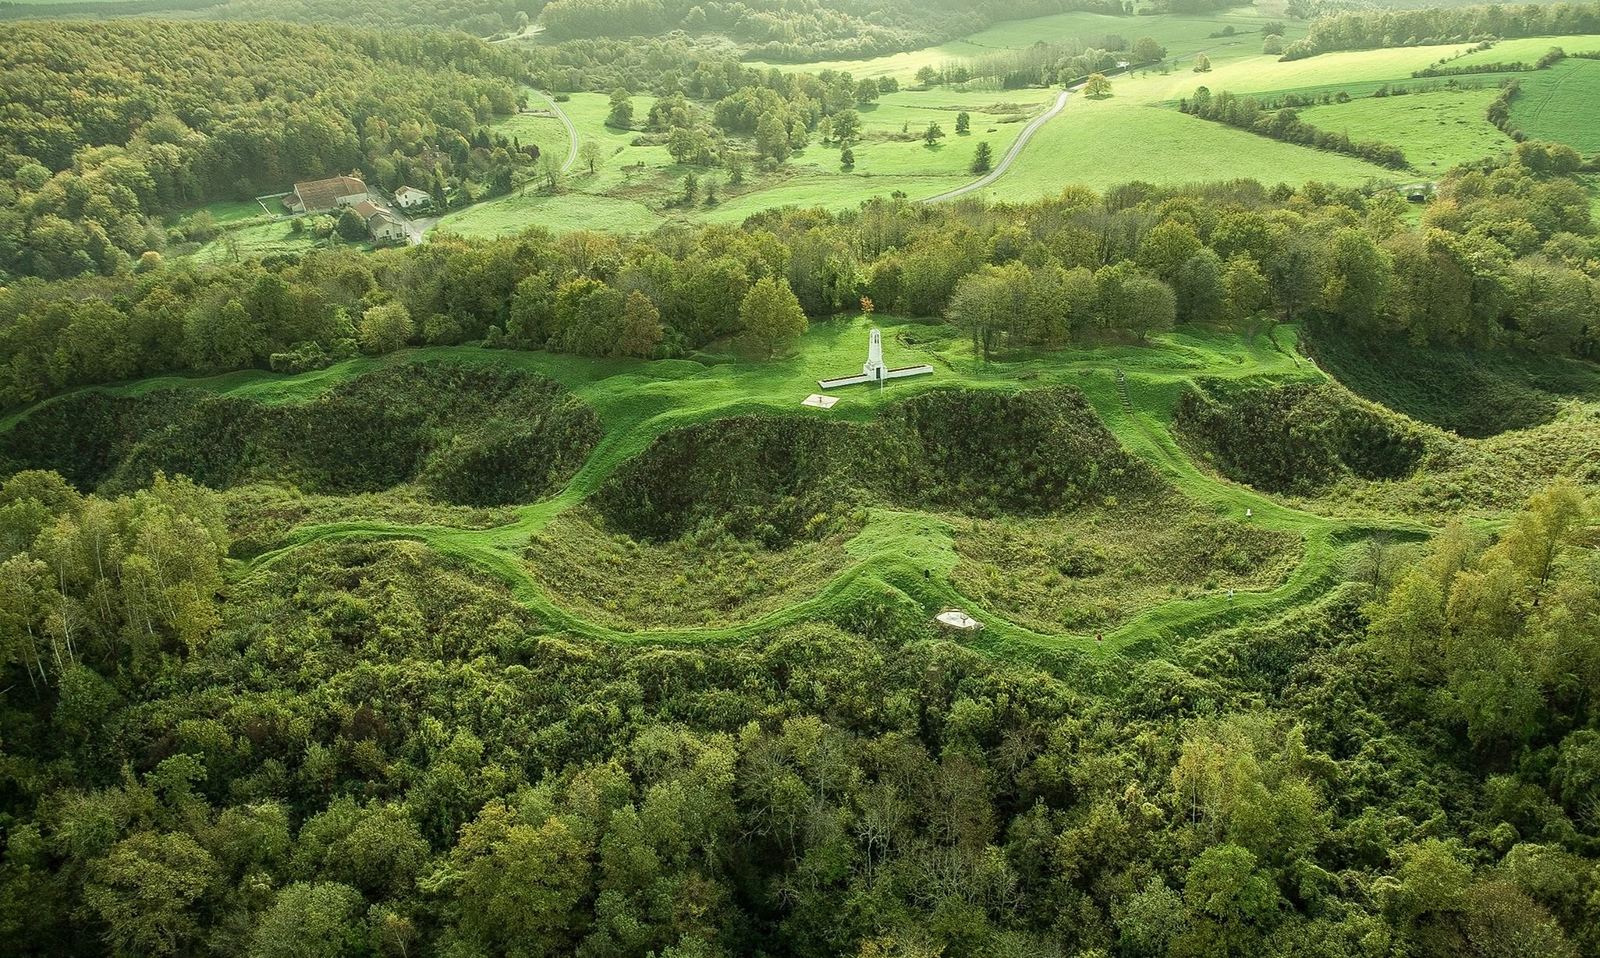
(874, 370)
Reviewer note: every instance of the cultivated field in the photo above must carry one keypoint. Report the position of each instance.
(1135, 134)
(1561, 104)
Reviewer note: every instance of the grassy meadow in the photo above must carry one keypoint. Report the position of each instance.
(1437, 130)
(1560, 104)
(636, 187)
(1134, 134)
(271, 238)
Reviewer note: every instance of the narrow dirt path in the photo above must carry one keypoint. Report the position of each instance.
(572, 131)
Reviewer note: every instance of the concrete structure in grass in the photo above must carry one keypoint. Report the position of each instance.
(874, 370)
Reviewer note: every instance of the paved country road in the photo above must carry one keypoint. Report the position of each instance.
(1011, 154)
(572, 131)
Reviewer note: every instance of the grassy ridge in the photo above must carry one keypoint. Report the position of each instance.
(909, 562)
(900, 561)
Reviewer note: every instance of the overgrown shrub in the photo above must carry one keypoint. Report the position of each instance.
(1297, 437)
(781, 478)
(476, 435)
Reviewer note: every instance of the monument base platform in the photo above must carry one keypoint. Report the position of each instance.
(900, 373)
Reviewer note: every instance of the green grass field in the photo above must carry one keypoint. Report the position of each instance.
(271, 238)
(544, 131)
(1135, 134)
(1529, 49)
(1560, 104)
(636, 188)
(1182, 35)
(1436, 130)
(1103, 143)
(231, 212)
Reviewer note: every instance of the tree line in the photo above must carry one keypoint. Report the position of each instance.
(1284, 123)
(478, 17)
(1367, 29)
(808, 30)
(1504, 255)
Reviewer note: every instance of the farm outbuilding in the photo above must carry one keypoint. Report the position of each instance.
(322, 196)
(383, 225)
(409, 197)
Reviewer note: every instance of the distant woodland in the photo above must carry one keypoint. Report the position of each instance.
(106, 128)
(1364, 30)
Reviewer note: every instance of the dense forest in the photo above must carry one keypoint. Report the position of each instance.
(365, 749)
(108, 128)
(1505, 256)
(1365, 29)
(480, 18)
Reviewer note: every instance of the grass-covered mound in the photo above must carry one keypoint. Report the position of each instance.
(777, 479)
(264, 516)
(1296, 437)
(769, 478)
(987, 453)
(472, 435)
(1094, 568)
(708, 579)
(1485, 477)
(1473, 393)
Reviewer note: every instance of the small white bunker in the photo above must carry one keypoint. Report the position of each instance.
(956, 619)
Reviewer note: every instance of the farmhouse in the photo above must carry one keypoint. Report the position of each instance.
(381, 224)
(410, 197)
(320, 196)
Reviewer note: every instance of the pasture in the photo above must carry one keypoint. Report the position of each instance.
(1560, 104)
(1436, 130)
(1134, 134)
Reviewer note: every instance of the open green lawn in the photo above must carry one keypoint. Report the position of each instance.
(1529, 49)
(539, 127)
(229, 212)
(1103, 143)
(562, 213)
(1562, 103)
(263, 239)
(1436, 130)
